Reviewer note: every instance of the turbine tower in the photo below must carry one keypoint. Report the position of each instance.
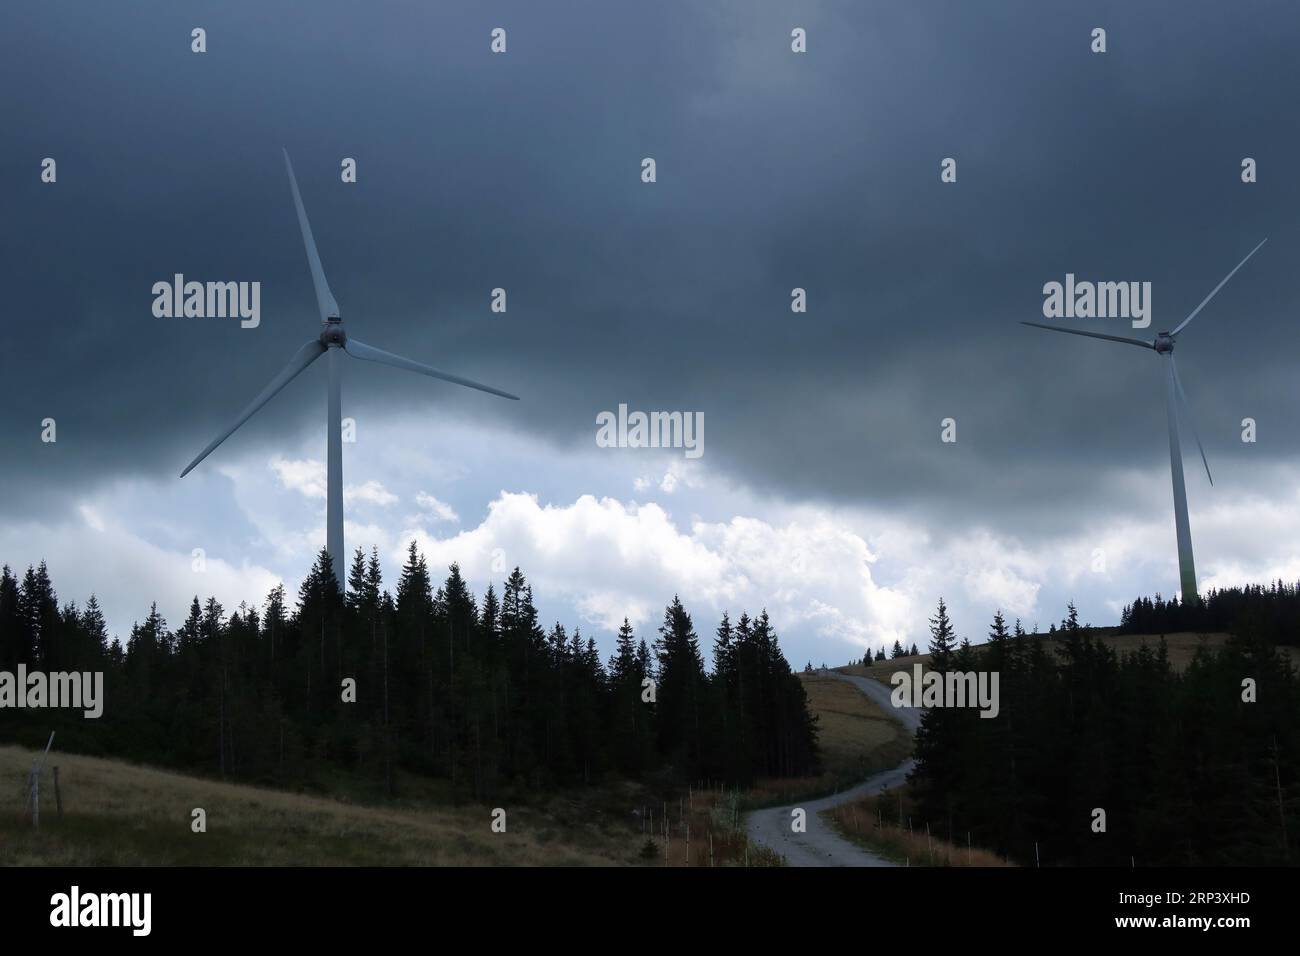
(334, 342)
(1163, 345)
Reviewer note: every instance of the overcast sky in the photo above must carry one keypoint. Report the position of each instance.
(824, 491)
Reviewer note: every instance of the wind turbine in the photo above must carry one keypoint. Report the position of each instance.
(334, 342)
(1163, 344)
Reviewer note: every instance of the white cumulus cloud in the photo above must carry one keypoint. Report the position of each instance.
(612, 559)
(438, 510)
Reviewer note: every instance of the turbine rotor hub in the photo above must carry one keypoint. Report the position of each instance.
(332, 334)
(1164, 342)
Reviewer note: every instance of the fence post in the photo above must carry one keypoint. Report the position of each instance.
(38, 765)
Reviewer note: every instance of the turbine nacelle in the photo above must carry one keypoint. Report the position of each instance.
(1164, 342)
(332, 334)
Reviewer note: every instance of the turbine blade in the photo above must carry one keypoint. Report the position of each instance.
(1187, 406)
(1183, 324)
(1093, 335)
(371, 354)
(301, 359)
(324, 298)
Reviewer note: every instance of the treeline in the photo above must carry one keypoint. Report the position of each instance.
(1271, 612)
(1186, 771)
(897, 651)
(475, 693)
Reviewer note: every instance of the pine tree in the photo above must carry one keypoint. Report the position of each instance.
(939, 739)
(680, 718)
(38, 610)
(95, 628)
(628, 715)
(942, 640)
(274, 621)
(15, 645)
(645, 661)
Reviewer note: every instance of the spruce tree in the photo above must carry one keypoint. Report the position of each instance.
(680, 715)
(14, 641)
(942, 640)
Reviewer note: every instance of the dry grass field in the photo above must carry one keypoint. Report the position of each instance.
(1182, 645)
(120, 814)
(856, 737)
(859, 823)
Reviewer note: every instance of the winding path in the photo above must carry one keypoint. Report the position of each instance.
(821, 845)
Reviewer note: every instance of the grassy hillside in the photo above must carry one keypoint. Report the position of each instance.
(855, 736)
(119, 814)
(856, 739)
(122, 814)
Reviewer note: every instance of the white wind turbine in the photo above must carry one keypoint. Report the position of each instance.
(334, 341)
(1163, 344)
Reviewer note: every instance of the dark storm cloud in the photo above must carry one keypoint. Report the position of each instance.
(775, 171)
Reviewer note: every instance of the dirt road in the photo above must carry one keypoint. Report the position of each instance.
(820, 845)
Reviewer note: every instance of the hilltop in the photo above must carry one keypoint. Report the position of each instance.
(1181, 647)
